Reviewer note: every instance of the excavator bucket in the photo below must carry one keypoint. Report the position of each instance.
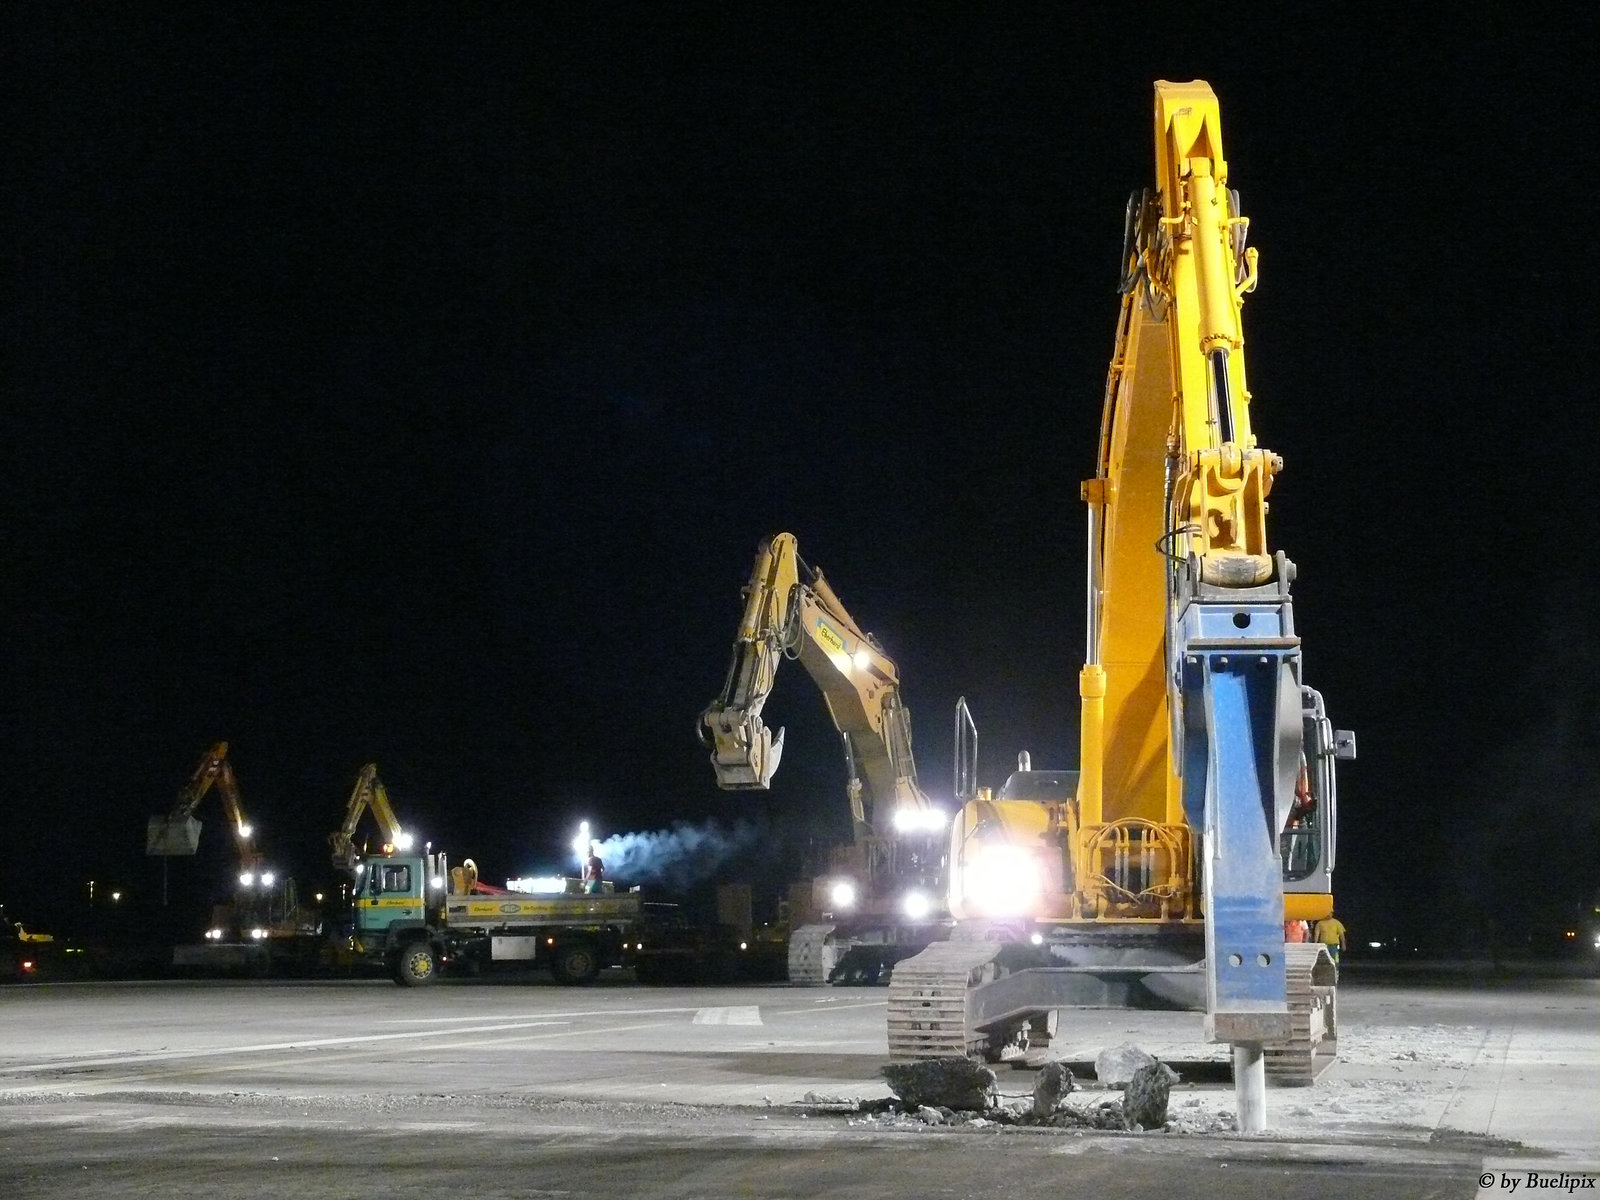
(166, 838)
(744, 753)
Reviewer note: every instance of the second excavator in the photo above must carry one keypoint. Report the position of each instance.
(263, 906)
(883, 895)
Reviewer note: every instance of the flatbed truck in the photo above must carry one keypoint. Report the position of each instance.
(415, 917)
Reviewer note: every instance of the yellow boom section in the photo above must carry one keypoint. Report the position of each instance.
(368, 793)
(792, 611)
(1178, 474)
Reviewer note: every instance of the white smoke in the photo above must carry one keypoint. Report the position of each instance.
(679, 857)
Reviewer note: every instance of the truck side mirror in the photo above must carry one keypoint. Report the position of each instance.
(1344, 744)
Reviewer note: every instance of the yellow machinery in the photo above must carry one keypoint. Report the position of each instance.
(882, 898)
(178, 833)
(369, 794)
(264, 905)
(1160, 873)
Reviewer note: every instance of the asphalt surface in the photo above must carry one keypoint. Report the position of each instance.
(527, 1089)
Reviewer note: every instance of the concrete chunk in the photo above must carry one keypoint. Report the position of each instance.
(1115, 1065)
(1054, 1082)
(942, 1082)
(1144, 1100)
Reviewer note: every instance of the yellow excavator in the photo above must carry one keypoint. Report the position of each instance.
(1161, 872)
(368, 795)
(178, 832)
(264, 904)
(882, 898)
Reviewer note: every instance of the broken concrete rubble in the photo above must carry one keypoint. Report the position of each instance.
(1054, 1082)
(1115, 1065)
(942, 1082)
(1144, 1099)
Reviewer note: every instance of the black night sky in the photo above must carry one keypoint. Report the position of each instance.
(414, 385)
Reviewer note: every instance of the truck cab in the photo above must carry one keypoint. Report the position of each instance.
(399, 904)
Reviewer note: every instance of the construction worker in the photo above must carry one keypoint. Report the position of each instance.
(593, 869)
(1330, 932)
(1295, 931)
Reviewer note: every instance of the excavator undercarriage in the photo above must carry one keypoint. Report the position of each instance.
(996, 1001)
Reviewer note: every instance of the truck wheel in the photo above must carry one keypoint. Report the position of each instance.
(576, 963)
(416, 965)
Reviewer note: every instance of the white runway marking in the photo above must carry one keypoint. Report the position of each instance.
(576, 1012)
(739, 1014)
(60, 1064)
(789, 1012)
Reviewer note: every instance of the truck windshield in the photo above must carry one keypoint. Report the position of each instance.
(394, 877)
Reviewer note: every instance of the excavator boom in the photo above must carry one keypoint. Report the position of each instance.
(178, 833)
(368, 794)
(791, 611)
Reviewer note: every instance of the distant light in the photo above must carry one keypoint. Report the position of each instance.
(360, 867)
(580, 842)
(549, 941)
(744, 945)
(1571, 933)
(258, 933)
(404, 840)
(245, 830)
(27, 964)
(862, 660)
(266, 878)
(319, 897)
(247, 879)
(118, 896)
(843, 894)
(1037, 938)
(1376, 945)
(916, 905)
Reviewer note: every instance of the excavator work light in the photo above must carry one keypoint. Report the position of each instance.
(405, 840)
(916, 905)
(247, 879)
(267, 878)
(843, 894)
(919, 820)
(1002, 880)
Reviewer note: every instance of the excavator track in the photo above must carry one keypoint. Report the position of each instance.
(1313, 1044)
(928, 1015)
(811, 958)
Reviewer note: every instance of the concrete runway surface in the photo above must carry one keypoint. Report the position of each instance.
(522, 1088)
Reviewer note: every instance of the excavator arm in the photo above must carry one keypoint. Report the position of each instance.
(178, 832)
(368, 794)
(1195, 718)
(791, 611)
